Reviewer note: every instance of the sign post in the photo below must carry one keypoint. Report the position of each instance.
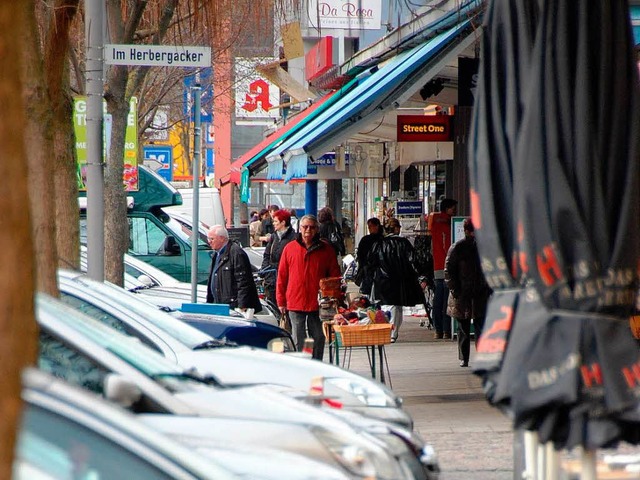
(166, 56)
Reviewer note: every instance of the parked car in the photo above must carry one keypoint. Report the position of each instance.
(67, 433)
(91, 355)
(192, 348)
(60, 422)
(165, 291)
(155, 237)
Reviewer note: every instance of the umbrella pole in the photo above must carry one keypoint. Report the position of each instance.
(530, 456)
(588, 465)
(552, 462)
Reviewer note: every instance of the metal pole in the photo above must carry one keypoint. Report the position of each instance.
(196, 193)
(94, 11)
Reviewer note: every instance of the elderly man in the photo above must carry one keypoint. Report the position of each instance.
(303, 262)
(230, 279)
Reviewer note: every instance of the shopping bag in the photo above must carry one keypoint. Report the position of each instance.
(285, 322)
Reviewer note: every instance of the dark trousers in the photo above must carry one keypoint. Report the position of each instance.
(441, 321)
(464, 336)
(301, 322)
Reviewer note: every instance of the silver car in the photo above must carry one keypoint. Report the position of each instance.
(67, 432)
(191, 348)
(96, 357)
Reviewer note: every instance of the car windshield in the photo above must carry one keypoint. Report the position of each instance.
(183, 230)
(189, 336)
(128, 349)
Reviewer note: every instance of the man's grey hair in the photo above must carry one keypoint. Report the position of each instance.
(309, 217)
(220, 231)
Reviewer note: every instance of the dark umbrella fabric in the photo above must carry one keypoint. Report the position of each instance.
(570, 370)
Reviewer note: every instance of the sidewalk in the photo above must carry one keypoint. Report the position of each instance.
(473, 441)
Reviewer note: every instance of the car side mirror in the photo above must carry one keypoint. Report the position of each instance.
(121, 390)
(169, 247)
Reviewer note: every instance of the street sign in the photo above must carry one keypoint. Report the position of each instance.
(160, 159)
(157, 55)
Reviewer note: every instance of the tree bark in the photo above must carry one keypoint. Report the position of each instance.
(18, 331)
(40, 163)
(57, 77)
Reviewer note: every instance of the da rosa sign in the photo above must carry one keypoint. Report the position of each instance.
(345, 14)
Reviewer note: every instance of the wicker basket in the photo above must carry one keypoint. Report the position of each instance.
(363, 335)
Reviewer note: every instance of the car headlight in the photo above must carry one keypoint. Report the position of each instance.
(365, 458)
(367, 392)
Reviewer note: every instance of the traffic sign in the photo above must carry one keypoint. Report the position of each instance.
(157, 55)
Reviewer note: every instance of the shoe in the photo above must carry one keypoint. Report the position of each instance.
(393, 340)
(463, 363)
(437, 336)
(446, 336)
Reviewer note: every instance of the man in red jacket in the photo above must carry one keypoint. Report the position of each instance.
(303, 263)
(439, 226)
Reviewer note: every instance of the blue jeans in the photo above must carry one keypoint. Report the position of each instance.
(441, 321)
(300, 323)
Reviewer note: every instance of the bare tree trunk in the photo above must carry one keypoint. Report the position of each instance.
(117, 96)
(56, 60)
(17, 325)
(38, 126)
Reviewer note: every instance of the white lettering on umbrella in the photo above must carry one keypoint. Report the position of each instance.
(549, 376)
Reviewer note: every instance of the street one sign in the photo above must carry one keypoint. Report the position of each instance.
(157, 55)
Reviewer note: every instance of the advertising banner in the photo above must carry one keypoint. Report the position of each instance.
(130, 177)
(257, 99)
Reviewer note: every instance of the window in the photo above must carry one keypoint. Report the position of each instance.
(62, 361)
(105, 317)
(67, 449)
(145, 237)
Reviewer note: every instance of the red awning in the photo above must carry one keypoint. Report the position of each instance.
(236, 166)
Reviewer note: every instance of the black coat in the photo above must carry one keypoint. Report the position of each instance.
(395, 280)
(332, 233)
(272, 254)
(234, 280)
(468, 289)
(364, 277)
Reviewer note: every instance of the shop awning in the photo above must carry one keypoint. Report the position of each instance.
(254, 160)
(378, 90)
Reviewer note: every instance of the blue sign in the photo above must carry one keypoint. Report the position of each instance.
(326, 160)
(160, 159)
(409, 208)
(210, 159)
(203, 77)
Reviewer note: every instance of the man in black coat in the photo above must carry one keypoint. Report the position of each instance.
(395, 280)
(231, 278)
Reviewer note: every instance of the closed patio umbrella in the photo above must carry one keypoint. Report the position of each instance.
(569, 240)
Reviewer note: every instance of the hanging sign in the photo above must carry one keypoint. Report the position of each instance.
(425, 128)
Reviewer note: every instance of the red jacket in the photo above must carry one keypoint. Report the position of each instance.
(300, 271)
(439, 225)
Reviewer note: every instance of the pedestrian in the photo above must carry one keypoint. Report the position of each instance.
(283, 234)
(468, 290)
(395, 280)
(255, 229)
(331, 231)
(439, 227)
(267, 224)
(253, 216)
(364, 276)
(231, 278)
(294, 219)
(303, 263)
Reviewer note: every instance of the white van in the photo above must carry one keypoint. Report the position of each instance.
(210, 211)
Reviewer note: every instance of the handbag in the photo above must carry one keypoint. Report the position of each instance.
(285, 322)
